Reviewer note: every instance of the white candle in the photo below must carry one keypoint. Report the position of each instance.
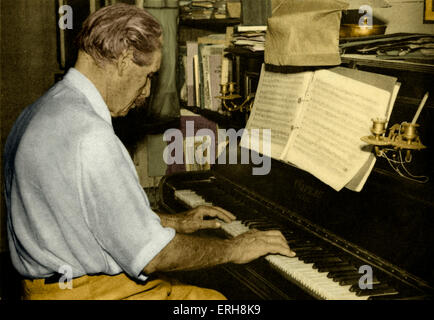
(224, 71)
(422, 103)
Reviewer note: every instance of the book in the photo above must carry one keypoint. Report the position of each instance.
(202, 4)
(317, 119)
(192, 51)
(215, 70)
(197, 83)
(202, 60)
(181, 71)
(206, 50)
(244, 28)
(212, 44)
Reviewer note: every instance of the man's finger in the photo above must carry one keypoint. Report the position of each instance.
(283, 250)
(278, 247)
(227, 213)
(210, 224)
(217, 212)
(273, 233)
(274, 238)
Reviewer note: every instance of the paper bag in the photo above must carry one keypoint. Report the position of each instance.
(304, 33)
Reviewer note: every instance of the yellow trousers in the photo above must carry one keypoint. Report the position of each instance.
(118, 287)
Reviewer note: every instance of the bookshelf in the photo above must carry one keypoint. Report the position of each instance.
(192, 30)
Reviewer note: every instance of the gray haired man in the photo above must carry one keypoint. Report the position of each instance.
(73, 196)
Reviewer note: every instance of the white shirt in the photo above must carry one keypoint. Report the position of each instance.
(75, 197)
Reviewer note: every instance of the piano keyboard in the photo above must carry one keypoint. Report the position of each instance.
(318, 271)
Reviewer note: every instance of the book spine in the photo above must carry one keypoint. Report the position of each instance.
(192, 49)
(203, 71)
(182, 73)
(196, 80)
(215, 69)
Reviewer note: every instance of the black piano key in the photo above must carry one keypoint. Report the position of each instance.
(300, 242)
(395, 296)
(305, 247)
(249, 220)
(348, 280)
(329, 264)
(352, 281)
(337, 268)
(332, 258)
(315, 258)
(356, 287)
(376, 292)
(338, 275)
(303, 242)
(348, 277)
(310, 257)
(296, 238)
(262, 226)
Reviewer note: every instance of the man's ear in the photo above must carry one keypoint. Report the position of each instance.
(124, 61)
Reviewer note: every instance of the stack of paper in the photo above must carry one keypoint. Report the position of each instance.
(203, 9)
(250, 37)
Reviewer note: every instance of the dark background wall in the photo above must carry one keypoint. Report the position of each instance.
(28, 62)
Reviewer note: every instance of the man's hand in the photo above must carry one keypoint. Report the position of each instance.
(195, 219)
(190, 252)
(254, 244)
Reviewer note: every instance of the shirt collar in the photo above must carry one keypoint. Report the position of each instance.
(85, 86)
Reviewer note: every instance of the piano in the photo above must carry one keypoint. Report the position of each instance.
(374, 244)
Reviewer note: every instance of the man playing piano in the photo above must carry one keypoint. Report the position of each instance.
(79, 223)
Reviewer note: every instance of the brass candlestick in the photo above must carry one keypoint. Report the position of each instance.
(229, 97)
(377, 139)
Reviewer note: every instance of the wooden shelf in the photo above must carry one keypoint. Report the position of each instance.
(355, 60)
(241, 51)
(218, 25)
(373, 61)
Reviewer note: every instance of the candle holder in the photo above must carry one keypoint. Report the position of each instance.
(401, 137)
(230, 98)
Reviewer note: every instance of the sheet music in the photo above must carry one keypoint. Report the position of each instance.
(387, 83)
(277, 103)
(337, 113)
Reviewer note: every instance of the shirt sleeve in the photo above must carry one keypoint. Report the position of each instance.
(116, 207)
